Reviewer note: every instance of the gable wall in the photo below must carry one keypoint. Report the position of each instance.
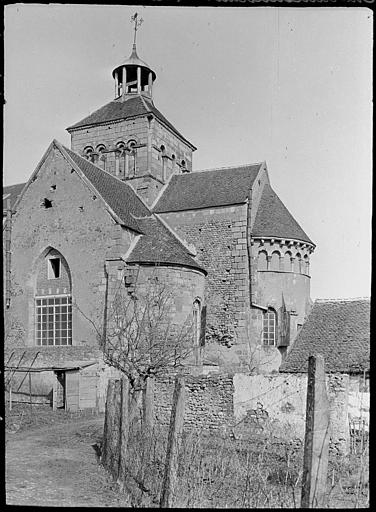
(84, 238)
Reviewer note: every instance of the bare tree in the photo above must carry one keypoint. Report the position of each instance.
(142, 336)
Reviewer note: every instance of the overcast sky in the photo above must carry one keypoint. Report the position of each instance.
(286, 85)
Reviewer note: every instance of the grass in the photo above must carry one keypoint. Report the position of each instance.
(217, 472)
(262, 471)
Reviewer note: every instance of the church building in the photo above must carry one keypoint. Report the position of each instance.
(126, 199)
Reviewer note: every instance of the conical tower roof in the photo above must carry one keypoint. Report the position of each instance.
(274, 220)
(134, 60)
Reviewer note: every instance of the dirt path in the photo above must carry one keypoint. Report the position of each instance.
(57, 466)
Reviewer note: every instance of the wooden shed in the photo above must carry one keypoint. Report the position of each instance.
(75, 387)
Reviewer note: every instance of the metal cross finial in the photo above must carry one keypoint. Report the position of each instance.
(137, 23)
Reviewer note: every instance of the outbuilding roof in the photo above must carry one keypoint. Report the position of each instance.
(339, 330)
(117, 110)
(158, 245)
(274, 220)
(204, 189)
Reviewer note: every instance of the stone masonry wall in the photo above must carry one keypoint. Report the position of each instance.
(78, 227)
(283, 397)
(219, 236)
(222, 403)
(209, 404)
(183, 285)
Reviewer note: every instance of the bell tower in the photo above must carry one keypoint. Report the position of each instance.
(129, 137)
(134, 76)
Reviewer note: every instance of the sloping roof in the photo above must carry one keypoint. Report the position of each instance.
(12, 192)
(117, 110)
(339, 330)
(66, 365)
(118, 195)
(159, 245)
(274, 220)
(203, 189)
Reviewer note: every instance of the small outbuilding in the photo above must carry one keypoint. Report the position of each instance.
(75, 386)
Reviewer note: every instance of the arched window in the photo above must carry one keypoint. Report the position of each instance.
(306, 265)
(287, 261)
(274, 262)
(88, 152)
(53, 301)
(298, 263)
(163, 153)
(196, 322)
(262, 261)
(269, 330)
(196, 329)
(101, 150)
(120, 159)
(131, 146)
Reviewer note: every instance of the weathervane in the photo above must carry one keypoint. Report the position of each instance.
(137, 23)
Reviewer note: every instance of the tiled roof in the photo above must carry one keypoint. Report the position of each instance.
(12, 192)
(158, 245)
(116, 110)
(274, 220)
(203, 189)
(118, 195)
(339, 330)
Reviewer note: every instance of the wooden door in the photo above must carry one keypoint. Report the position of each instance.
(88, 390)
(72, 390)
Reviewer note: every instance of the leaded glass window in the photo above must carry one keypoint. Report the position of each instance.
(269, 333)
(53, 320)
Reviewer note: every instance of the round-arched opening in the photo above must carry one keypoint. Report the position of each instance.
(53, 300)
(262, 262)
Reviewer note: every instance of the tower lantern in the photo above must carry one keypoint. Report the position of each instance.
(133, 76)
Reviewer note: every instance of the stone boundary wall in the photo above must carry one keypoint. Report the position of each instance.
(283, 397)
(219, 402)
(209, 402)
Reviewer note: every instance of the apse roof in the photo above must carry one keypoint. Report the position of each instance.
(339, 330)
(159, 246)
(204, 189)
(274, 220)
(117, 109)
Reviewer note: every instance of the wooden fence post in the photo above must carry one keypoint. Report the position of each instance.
(176, 428)
(316, 444)
(124, 430)
(108, 423)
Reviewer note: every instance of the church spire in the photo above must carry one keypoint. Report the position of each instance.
(134, 76)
